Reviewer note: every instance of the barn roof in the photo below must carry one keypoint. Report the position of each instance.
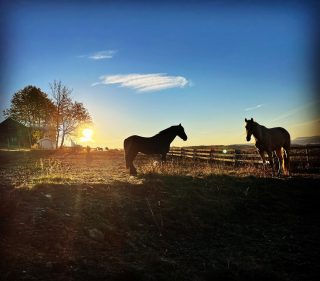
(11, 125)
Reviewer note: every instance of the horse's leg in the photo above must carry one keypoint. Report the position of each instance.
(131, 156)
(280, 161)
(271, 161)
(133, 170)
(263, 157)
(163, 157)
(286, 163)
(126, 146)
(126, 157)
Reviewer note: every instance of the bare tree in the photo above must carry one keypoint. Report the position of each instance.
(75, 115)
(62, 98)
(69, 114)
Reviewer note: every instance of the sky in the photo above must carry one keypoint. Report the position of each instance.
(144, 66)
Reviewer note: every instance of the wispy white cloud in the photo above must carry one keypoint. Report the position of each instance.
(101, 55)
(254, 107)
(144, 82)
(108, 54)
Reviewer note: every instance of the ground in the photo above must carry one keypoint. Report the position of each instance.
(70, 215)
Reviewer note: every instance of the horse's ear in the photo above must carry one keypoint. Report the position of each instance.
(180, 124)
(251, 119)
(245, 119)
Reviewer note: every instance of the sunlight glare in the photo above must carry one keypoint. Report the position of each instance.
(86, 135)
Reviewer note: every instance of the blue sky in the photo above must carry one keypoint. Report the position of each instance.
(140, 68)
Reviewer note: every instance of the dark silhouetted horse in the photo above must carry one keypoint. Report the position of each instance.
(270, 140)
(158, 144)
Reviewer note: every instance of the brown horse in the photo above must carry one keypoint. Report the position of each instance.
(158, 144)
(270, 140)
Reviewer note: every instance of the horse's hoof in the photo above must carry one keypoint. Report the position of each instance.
(133, 173)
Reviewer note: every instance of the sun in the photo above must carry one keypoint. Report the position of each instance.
(86, 135)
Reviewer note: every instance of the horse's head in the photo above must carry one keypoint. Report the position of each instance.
(181, 133)
(249, 128)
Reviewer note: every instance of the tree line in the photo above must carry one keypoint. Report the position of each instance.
(57, 117)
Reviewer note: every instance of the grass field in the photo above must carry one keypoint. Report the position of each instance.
(78, 216)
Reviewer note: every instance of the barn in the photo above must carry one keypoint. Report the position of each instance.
(13, 134)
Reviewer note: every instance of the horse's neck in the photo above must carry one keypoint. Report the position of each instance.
(258, 134)
(171, 137)
(166, 137)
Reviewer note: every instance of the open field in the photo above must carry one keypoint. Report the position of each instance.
(76, 216)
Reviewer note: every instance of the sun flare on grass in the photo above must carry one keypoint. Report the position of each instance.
(86, 135)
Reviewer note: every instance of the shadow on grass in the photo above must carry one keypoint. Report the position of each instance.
(162, 228)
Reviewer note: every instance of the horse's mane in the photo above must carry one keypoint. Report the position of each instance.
(259, 126)
(165, 131)
(260, 130)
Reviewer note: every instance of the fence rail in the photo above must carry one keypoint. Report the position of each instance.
(307, 156)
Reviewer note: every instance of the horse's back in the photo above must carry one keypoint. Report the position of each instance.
(142, 144)
(129, 141)
(280, 131)
(280, 137)
(135, 138)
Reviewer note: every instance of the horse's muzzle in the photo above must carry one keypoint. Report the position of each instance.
(248, 138)
(185, 138)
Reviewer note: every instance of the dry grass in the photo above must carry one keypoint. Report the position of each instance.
(33, 167)
(29, 168)
(197, 168)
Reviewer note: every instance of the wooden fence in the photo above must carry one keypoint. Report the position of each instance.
(300, 156)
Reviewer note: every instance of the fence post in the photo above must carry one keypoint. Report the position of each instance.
(194, 155)
(236, 156)
(211, 155)
(307, 156)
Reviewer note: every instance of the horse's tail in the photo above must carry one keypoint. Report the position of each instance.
(286, 155)
(126, 146)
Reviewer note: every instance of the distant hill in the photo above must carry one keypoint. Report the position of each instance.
(306, 140)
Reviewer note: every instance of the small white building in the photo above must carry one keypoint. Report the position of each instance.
(46, 143)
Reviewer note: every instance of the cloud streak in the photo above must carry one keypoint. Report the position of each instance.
(254, 107)
(143, 83)
(101, 55)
